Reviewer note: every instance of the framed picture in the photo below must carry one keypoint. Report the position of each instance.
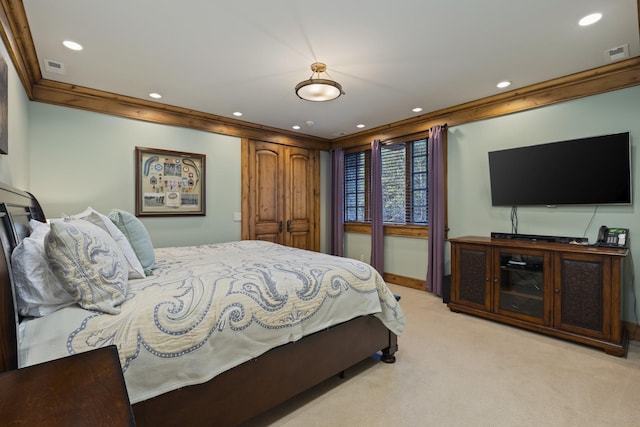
(169, 183)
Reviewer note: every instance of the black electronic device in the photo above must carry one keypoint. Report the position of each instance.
(592, 171)
(613, 237)
(541, 238)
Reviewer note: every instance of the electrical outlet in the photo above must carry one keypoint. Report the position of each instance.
(237, 216)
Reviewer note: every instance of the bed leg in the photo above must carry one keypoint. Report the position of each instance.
(388, 354)
(387, 357)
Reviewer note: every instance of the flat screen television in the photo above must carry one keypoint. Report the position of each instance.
(585, 171)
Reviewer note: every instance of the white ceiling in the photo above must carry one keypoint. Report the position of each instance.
(218, 56)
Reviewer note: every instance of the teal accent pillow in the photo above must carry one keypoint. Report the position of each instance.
(88, 263)
(138, 236)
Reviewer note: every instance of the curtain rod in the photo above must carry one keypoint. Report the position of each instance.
(406, 138)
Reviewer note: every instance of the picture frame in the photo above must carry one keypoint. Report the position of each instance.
(169, 183)
(4, 107)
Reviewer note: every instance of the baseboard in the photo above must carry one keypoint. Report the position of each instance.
(407, 282)
(633, 329)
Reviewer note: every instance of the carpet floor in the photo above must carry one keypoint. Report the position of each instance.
(454, 369)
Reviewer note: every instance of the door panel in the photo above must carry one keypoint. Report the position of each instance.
(267, 178)
(299, 207)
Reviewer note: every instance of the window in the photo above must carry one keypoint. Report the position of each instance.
(404, 184)
(357, 167)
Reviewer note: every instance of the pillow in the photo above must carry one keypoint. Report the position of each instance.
(138, 236)
(89, 264)
(135, 268)
(38, 291)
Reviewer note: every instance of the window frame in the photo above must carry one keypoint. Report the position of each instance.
(401, 230)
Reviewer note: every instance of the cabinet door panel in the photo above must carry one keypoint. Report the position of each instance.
(472, 284)
(521, 284)
(581, 292)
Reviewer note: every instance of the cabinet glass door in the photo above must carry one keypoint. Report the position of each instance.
(520, 287)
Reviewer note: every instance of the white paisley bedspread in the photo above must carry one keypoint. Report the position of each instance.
(209, 308)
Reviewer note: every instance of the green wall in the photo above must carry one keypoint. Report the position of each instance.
(81, 159)
(14, 167)
(469, 203)
(470, 210)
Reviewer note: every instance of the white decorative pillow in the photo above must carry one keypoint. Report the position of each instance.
(38, 291)
(89, 264)
(136, 271)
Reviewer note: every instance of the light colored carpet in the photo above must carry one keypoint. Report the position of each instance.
(453, 369)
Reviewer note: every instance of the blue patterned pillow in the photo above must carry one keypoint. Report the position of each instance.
(89, 264)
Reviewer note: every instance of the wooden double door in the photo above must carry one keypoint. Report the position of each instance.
(281, 194)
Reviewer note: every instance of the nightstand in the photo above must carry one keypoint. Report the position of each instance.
(80, 390)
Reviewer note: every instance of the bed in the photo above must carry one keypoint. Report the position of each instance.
(214, 334)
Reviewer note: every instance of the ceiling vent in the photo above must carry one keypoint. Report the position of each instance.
(54, 66)
(618, 53)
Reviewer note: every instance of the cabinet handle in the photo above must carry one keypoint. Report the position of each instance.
(557, 290)
(288, 226)
(280, 227)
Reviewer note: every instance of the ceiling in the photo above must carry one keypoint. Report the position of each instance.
(219, 57)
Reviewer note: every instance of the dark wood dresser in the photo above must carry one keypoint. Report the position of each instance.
(86, 389)
(559, 289)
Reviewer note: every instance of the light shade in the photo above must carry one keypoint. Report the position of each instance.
(317, 89)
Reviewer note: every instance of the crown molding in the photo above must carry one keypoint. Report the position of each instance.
(17, 38)
(603, 79)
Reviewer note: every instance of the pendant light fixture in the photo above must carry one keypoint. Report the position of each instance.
(317, 89)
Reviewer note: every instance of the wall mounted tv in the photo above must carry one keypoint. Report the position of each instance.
(586, 171)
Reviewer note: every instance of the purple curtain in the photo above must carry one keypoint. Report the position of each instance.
(377, 232)
(336, 222)
(435, 216)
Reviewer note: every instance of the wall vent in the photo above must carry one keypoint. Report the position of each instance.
(618, 53)
(54, 66)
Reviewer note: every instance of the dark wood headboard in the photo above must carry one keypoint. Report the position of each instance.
(16, 209)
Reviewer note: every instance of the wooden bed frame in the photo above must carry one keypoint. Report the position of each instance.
(233, 397)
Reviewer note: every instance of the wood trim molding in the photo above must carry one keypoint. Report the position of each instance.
(51, 92)
(16, 34)
(603, 79)
(416, 231)
(633, 330)
(407, 282)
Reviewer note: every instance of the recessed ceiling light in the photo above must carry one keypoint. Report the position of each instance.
(360, 126)
(155, 95)
(590, 19)
(72, 45)
(237, 114)
(296, 127)
(417, 109)
(504, 84)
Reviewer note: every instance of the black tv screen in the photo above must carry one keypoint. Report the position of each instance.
(592, 171)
